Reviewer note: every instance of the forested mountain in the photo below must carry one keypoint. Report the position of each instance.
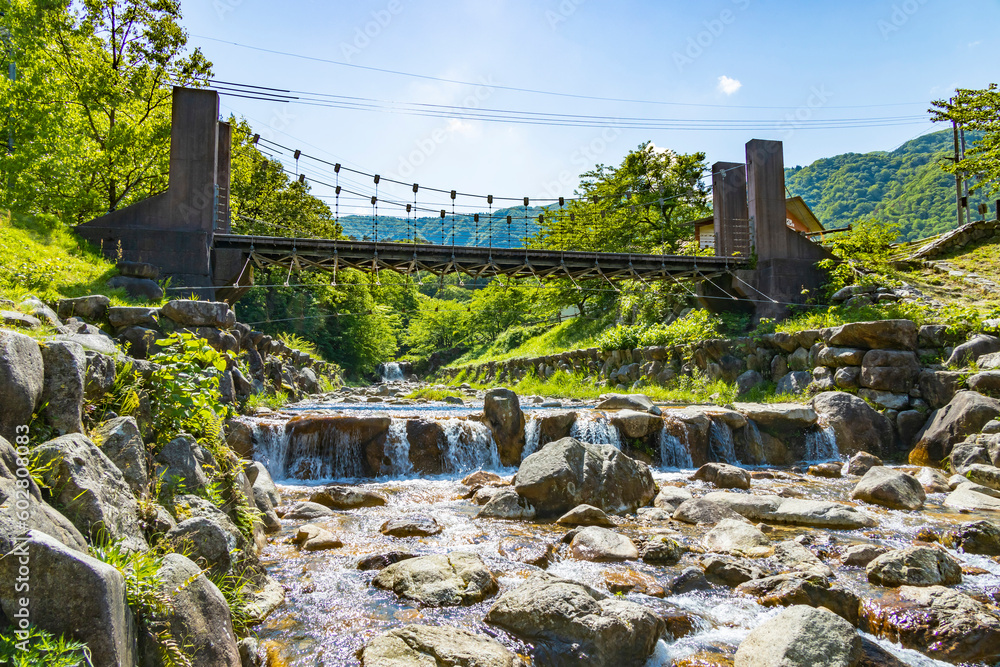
(905, 186)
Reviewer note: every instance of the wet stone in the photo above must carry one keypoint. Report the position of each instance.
(414, 525)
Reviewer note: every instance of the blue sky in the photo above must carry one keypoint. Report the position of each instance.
(744, 60)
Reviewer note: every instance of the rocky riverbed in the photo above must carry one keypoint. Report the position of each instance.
(583, 555)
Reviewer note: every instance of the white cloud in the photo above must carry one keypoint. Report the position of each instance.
(973, 45)
(728, 86)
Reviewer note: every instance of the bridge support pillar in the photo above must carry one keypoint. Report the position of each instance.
(174, 229)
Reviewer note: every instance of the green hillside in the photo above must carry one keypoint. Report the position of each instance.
(905, 186)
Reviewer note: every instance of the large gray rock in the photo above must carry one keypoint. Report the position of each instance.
(971, 350)
(177, 463)
(793, 588)
(346, 497)
(600, 544)
(432, 645)
(21, 505)
(502, 414)
(986, 382)
(889, 370)
(504, 503)
(22, 378)
(723, 475)
(570, 624)
(737, 537)
(794, 383)
(700, 510)
(801, 636)
(637, 425)
(121, 442)
(986, 475)
(411, 525)
(794, 511)
(671, 497)
(260, 477)
(199, 313)
(458, 578)
(91, 490)
(101, 374)
(890, 488)
(969, 496)
(966, 414)
(861, 463)
(92, 308)
(65, 375)
(71, 594)
(567, 473)
(35, 306)
(940, 622)
(637, 402)
(784, 417)
(198, 616)
(939, 387)
(977, 537)
(878, 335)
(209, 541)
(122, 317)
(138, 288)
(585, 515)
(856, 426)
(914, 566)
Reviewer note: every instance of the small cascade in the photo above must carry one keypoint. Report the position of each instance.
(821, 444)
(327, 453)
(470, 446)
(397, 449)
(720, 439)
(754, 443)
(532, 434)
(270, 445)
(596, 429)
(673, 453)
(391, 371)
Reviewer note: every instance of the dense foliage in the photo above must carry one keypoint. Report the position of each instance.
(907, 187)
(978, 111)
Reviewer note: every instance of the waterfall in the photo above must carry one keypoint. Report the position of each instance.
(532, 434)
(391, 372)
(270, 446)
(754, 443)
(329, 453)
(596, 429)
(470, 446)
(821, 444)
(721, 444)
(673, 453)
(397, 449)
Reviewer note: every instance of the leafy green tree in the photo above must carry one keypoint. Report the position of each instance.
(438, 325)
(496, 308)
(977, 110)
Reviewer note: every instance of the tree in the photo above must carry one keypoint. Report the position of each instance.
(496, 308)
(979, 111)
(438, 325)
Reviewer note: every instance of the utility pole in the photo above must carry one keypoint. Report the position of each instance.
(958, 174)
(965, 180)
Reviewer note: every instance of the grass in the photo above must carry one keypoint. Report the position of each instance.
(432, 394)
(40, 256)
(39, 647)
(570, 335)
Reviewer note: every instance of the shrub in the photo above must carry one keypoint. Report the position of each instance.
(697, 325)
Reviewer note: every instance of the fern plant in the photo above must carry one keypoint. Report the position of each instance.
(38, 648)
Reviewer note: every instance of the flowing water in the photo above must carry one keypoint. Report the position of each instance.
(391, 372)
(721, 442)
(596, 428)
(532, 435)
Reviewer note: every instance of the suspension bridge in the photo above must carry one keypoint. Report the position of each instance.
(188, 231)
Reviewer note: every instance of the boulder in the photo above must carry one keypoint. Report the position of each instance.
(272, 524)
(177, 463)
(585, 515)
(794, 511)
(502, 414)
(123, 317)
(859, 555)
(429, 645)
(314, 538)
(794, 383)
(101, 374)
(12, 318)
(856, 426)
(600, 544)
(121, 442)
(22, 378)
(636, 425)
(933, 481)
(890, 488)
(939, 387)
(35, 306)
(747, 381)
(347, 497)
(729, 571)
(983, 474)
(65, 367)
(723, 475)
(970, 351)
(505, 503)
(91, 490)
(138, 288)
(839, 357)
(700, 510)
(689, 580)
(794, 588)
(779, 416)
(670, 497)
(412, 525)
(977, 537)
(966, 414)
(622, 582)
(199, 313)
(878, 335)
(198, 615)
(304, 511)
(862, 462)
(458, 578)
(968, 497)
(528, 550)
(208, 540)
(637, 402)
(986, 382)
(93, 308)
(829, 470)
(940, 622)
(661, 550)
(801, 636)
(570, 624)
(732, 536)
(21, 505)
(383, 560)
(258, 476)
(889, 370)
(914, 566)
(567, 473)
(71, 594)
(966, 453)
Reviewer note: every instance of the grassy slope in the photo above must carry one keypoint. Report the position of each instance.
(39, 256)
(570, 335)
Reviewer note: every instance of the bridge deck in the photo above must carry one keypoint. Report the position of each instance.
(329, 255)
